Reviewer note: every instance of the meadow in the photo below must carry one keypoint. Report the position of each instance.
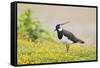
(48, 51)
(36, 45)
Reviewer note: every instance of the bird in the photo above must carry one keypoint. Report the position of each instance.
(62, 32)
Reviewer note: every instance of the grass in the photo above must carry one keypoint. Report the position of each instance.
(44, 51)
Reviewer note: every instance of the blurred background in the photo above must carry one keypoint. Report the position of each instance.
(82, 19)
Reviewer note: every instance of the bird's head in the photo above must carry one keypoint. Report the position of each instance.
(58, 26)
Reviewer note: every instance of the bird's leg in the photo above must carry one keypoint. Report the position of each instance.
(67, 47)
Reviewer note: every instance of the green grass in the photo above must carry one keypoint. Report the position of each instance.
(44, 51)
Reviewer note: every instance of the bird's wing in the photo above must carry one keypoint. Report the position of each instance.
(71, 36)
(60, 34)
(68, 34)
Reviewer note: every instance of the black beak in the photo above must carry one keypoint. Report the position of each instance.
(65, 23)
(55, 30)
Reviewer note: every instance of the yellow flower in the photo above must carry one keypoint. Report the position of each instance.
(25, 42)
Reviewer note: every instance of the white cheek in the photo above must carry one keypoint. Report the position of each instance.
(60, 29)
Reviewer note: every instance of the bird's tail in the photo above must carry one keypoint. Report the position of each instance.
(80, 41)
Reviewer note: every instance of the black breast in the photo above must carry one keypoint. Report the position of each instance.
(60, 34)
